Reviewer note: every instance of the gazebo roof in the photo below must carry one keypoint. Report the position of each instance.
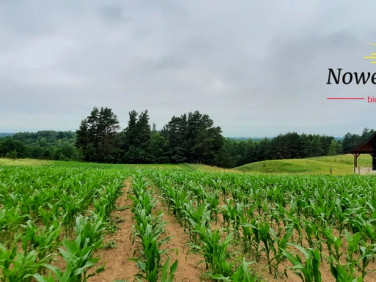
(367, 146)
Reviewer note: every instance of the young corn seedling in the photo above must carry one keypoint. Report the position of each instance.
(212, 200)
(367, 253)
(149, 260)
(17, 266)
(168, 272)
(264, 235)
(214, 250)
(256, 239)
(197, 217)
(78, 253)
(229, 214)
(246, 234)
(343, 273)
(309, 270)
(44, 240)
(295, 222)
(242, 273)
(334, 243)
(353, 245)
(281, 242)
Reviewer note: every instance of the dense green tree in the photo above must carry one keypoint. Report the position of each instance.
(175, 132)
(137, 139)
(350, 141)
(130, 132)
(335, 148)
(237, 152)
(12, 148)
(83, 140)
(326, 141)
(46, 144)
(193, 138)
(286, 146)
(35, 152)
(228, 156)
(96, 135)
(158, 148)
(205, 140)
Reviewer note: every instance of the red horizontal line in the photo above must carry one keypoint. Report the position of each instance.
(345, 98)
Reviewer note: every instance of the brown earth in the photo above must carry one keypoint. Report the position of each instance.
(117, 265)
(189, 268)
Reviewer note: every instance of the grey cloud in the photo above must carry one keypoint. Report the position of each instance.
(257, 68)
(113, 14)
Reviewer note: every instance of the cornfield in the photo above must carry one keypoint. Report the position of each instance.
(245, 227)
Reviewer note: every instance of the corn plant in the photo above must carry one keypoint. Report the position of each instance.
(214, 250)
(263, 230)
(17, 266)
(44, 240)
(149, 260)
(367, 253)
(199, 217)
(334, 243)
(308, 271)
(282, 243)
(242, 273)
(246, 234)
(343, 273)
(78, 253)
(168, 272)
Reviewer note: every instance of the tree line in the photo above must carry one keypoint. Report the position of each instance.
(188, 138)
(47, 144)
(284, 146)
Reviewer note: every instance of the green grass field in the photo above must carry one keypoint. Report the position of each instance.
(28, 162)
(341, 164)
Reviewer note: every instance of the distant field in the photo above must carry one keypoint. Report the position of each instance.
(341, 164)
(29, 162)
(34, 162)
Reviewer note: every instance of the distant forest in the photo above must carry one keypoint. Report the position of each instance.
(189, 138)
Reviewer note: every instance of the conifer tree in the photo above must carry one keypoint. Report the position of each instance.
(96, 135)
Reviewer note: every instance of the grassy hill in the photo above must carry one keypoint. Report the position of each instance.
(341, 164)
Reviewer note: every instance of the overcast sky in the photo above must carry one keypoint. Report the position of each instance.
(257, 68)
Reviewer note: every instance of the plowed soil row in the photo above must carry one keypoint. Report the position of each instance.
(189, 269)
(116, 260)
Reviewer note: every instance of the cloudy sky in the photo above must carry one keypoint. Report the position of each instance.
(257, 68)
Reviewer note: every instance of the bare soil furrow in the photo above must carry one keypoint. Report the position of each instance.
(116, 260)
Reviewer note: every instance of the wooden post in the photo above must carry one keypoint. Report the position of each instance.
(354, 163)
(356, 155)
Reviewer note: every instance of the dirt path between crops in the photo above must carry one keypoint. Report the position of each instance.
(116, 260)
(188, 267)
(117, 265)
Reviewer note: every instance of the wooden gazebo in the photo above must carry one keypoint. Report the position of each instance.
(367, 147)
